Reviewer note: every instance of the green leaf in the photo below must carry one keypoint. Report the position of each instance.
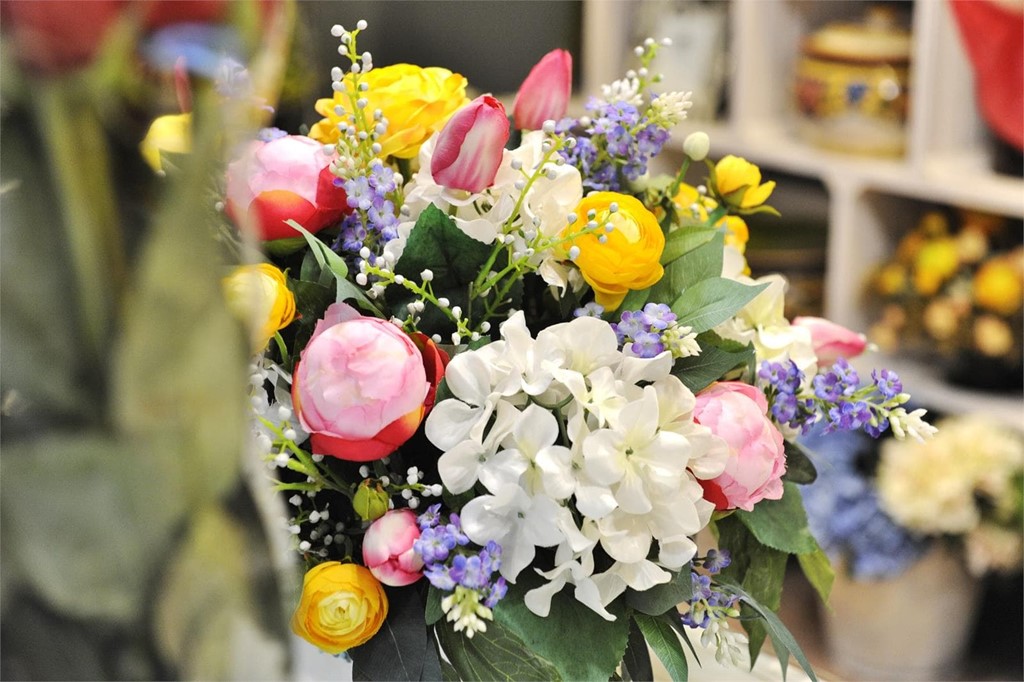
(88, 501)
(636, 662)
(781, 524)
(436, 243)
(704, 262)
(432, 612)
(782, 639)
(713, 363)
(284, 247)
(685, 240)
(663, 597)
(496, 654)
(819, 572)
(205, 617)
(399, 650)
(580, 644)
(799, 467)
(712, 301)
(330, 261)
(665, 643)
(759, 569)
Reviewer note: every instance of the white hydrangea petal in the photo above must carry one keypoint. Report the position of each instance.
(554, 466)
(502, 469)
(641, 575)
(459, 467)
(468, 376)
(631, 494)
(633, 370)
(675, 552)
(603, 456)
(538, 600)
(450, 423)
(625, 537)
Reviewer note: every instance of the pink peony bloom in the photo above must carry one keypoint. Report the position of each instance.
(737, 413)
(362, 385)
(831, 341)
(286, 178)
(471, 145)
(387, 548)
(544, 95)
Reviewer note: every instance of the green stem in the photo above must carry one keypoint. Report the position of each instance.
(79, 158)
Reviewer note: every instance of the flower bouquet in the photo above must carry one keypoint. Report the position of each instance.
(504, 376)
(954, 292)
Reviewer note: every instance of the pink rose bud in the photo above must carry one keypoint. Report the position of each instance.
(470, 147)
(387, 548)
(544, 95)
(737, 413)
(831, 341)
(287, 178)
(360, 386)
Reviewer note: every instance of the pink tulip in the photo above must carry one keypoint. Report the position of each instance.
(470, 147)
(831, 341)
(737, 413)
(387, 549)
(286, 178)
(544, 95)
(360, 386)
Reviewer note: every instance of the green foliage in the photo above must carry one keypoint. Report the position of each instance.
(496, 654)
(437, 244)
(782, 639)
(577, 642)
(663, 597)
(636, 662)
(781, 524)
(799, 467)
(712, 301)
(683, 241)
(699, 371)
(403, 649)
(819, 572)
(699, 263)
(330, 261)
(664, 641)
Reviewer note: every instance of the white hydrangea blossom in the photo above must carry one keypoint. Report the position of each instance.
(563, 423)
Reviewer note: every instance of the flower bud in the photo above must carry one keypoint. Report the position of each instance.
(544, 95)
(831, 341)
(696, 145)
(388, 548)
(258, 295)
(370, 501)
(471, 146)
(170, 134)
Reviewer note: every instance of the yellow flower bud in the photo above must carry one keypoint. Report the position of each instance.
(733, 174)
(628, 258)
(342, 606)
(171, 133)
(258, 295)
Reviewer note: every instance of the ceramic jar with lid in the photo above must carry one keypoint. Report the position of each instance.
(852, 89)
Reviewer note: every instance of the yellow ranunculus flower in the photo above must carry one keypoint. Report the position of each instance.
(998, 287)
(629, 257)
(258, 295)
(171, 133)
(416, 101)
(733, 173)
(342, 606)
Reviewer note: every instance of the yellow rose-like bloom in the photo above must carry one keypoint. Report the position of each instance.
(258, 295)
(629, 257)
(416, 101)
(342, 606)
(732, 173)
(171, 133)
(998, 287)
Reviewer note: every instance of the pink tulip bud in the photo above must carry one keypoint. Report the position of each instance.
(469, 148)
(388, 551)
(831, 341)
(544, 95)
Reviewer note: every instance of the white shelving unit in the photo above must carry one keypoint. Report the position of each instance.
(871, 201)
